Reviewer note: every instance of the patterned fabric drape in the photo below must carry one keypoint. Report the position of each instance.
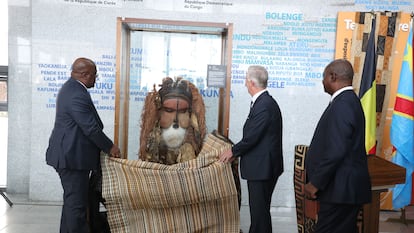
(387, 41)
(385, 33)
(195, 196)
(306, 210)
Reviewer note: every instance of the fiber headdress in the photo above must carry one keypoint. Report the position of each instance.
(151, 148)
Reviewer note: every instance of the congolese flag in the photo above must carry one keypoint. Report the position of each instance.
(368, 93)
(402, 127)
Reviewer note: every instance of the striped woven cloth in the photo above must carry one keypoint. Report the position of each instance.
(194, 196)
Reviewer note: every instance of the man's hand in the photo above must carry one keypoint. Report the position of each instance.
(115, 152)
(310, 191)
(226, 156)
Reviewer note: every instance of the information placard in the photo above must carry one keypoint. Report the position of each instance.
(216, 76)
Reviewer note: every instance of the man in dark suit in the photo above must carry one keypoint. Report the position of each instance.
(336, 162)
(260, 150)
(75, 144)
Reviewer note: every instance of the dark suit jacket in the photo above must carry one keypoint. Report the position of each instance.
(77, 137)
(260, 148)
(336, 162)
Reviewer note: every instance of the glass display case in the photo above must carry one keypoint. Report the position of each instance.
(150, 50)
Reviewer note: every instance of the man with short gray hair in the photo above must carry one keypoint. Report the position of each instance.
(260, 149)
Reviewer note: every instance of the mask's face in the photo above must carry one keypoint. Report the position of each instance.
(174, 121)
(175, 112)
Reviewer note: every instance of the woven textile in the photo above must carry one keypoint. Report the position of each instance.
(194, 196)
(385, 33)
(306, 210)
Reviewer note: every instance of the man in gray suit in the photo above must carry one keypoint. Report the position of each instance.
(75, 144)
(260, 149)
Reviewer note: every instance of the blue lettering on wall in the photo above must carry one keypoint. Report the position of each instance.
(136, 50)
(284, 16)
(313, 75)
(103, 85)
(241, 37)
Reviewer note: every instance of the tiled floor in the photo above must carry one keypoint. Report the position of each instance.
(30, 217)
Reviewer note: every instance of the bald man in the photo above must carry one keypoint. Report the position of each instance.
(336, 162)
(75, 144)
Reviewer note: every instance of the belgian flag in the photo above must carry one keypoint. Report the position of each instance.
(368, 92)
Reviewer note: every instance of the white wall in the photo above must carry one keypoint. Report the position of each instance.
(3, 33)
(294, 38)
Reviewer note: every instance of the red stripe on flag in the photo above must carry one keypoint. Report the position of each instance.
(404, 106)
(373, 150)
